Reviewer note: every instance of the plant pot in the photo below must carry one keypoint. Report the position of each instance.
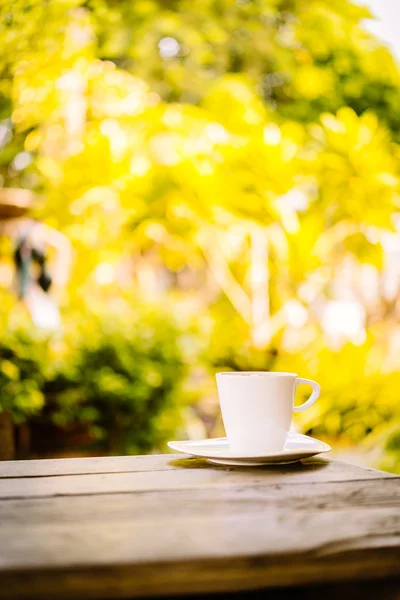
(7, 441)
(48, 440)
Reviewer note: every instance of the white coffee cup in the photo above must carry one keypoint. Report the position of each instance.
(257, 409)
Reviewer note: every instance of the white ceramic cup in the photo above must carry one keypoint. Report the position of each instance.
(257, 409)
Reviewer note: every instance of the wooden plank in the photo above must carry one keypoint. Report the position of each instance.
(116, 515)
(146, 509)
(160, 462)
(199, 540)
(240, 583)
(82, 466)
(166, 462)
(136, 526)
(192, 475)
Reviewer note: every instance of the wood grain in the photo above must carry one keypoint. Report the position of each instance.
(206, 577)
(82, 466)
(188, 527)
(198, 524)
(202, 475)
(166, 462)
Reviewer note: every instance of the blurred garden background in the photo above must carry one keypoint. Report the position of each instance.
(213, 185)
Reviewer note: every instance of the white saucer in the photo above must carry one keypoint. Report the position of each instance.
(297, 446)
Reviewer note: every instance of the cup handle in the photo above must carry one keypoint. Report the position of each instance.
(314, 396)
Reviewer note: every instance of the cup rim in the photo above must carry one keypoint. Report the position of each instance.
(258, 373)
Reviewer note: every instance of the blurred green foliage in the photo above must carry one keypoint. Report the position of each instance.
(122, 381)
(23, 361)
(239, 163)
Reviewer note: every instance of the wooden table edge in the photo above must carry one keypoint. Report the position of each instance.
(199, 576)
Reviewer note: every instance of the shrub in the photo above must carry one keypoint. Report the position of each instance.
(117, 377)
(123, 381)
(22, 374)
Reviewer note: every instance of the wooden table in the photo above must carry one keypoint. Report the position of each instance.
(121, 527)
